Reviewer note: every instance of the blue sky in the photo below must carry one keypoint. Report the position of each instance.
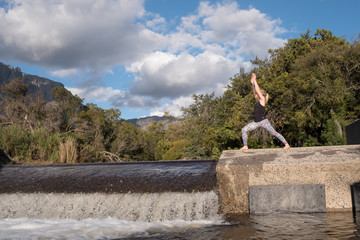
(146, 57)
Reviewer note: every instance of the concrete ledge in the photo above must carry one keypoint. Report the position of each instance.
(336, 167)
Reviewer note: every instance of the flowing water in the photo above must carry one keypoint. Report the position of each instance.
(169, 200)
(280, 226)
(146, 207)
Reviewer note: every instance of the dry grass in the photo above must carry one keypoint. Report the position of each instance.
(68, 150)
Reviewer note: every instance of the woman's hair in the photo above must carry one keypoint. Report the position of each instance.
(264, 93)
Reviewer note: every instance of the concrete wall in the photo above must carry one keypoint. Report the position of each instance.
(335, 167)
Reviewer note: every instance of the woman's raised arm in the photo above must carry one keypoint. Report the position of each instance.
(257, 90)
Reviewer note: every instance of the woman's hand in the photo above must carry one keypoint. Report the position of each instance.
(253, 78)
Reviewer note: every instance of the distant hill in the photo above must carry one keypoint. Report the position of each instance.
(144, 122)
(38, 86)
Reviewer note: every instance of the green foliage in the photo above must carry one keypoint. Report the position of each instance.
(200, 120)
(44, 145)
(68, 106)
(24, 145)
(151, 136)
(128, 142)
(162, 147)
(176, 151)
(15, 141)
(333, 132)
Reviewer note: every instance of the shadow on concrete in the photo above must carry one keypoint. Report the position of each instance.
(353, 133)
(355, 199)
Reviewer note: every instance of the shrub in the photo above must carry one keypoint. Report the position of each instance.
(15, 141)
(176, 151)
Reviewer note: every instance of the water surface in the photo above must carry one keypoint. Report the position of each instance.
(278, 226)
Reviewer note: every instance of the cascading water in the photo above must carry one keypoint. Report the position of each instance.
(146, 207)
(135, 197)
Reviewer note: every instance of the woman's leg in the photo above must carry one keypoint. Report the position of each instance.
(249, 127)
(265, 124)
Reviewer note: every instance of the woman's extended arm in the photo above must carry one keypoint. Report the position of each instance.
(253, 77)
(257, 90)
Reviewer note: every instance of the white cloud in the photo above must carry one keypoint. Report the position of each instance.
(113, 97)
(99, 93)
(250, 32)
(157, 23)
(174, 108)
(75, 34)
(65, 72)
(167, 75)
(182, 40)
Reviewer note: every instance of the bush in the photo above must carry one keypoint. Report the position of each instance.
(15, 141)
(44, 146)
(23, 145)
(176, 151)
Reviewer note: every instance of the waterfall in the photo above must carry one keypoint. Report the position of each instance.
(141, 192)
(143, 207)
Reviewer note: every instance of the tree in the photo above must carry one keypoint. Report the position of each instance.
(151, 137)
(68, 106)
(200, 118)
(128, 142)
(18, 107)
(96, 129)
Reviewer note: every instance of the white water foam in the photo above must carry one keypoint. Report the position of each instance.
(109, 228)
(149, 207)
(104, 216)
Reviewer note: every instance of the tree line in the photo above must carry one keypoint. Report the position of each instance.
(313, 82)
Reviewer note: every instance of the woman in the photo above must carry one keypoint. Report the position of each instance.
(259, 116)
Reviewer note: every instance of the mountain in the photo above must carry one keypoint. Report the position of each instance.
(144, 122)
(38, 86)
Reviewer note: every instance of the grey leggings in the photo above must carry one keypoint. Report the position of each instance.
(264, 124)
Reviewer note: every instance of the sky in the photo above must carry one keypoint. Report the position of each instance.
(148, 57)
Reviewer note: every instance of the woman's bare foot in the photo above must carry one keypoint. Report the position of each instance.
(287, 146)
(244, 148)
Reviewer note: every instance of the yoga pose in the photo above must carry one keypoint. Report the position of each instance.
(259, 116)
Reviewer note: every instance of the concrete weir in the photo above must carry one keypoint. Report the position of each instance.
(307, 179)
